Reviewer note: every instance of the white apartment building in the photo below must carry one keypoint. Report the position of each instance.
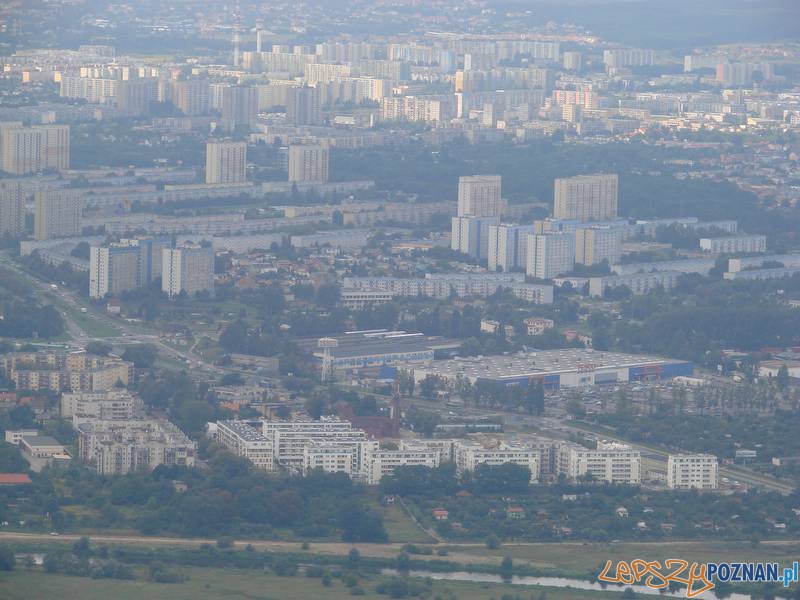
(508, 247)
(470, 235)
(290, 438)
(586, 197)
(692, 471)
(187, 269)
(127, 446)
(479, 196)
(226, 162)
(550, 254)
(380, 463)
(639, 283)
(308, 162)
(110, 405)
(245, 441)
(414, 108)
(341, 457)
(468, 455)
(734, 244)
(461, 284)
(610, 462)
(113, 269)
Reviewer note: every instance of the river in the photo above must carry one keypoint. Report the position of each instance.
(557, 582)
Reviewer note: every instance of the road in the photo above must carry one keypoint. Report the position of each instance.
(126, 335)
(740, 474)
(660, 455)
(367, 549)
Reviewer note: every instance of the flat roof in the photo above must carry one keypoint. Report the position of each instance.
(377, 343)
(41, 440)
(541, 362)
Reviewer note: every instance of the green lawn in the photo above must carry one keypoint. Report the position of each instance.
(580, 558)
(401, 528)
(213, 584)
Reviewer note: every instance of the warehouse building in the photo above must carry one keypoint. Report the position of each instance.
(572, 367)
(375, 348)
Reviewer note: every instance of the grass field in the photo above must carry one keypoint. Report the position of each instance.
(93, 326)
(233, 584)
(401, 528)
(580, 558)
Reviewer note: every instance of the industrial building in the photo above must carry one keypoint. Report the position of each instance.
(374, 348)
(572, 367)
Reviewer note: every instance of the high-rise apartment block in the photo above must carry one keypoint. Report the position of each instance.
(135, 96)
(191, 96)
(58, 214)
(125, 265)
(429, 109)
(187, 269)
(508, 247)
(113, 269)
(586, 197)
(12, 209)
(594, 245)
(309, 163)
(25, 150)
(470, 235)
(572, 61)
(479, 196)
(239, 106)
(226, 162)
(550, 254)
(303, 106)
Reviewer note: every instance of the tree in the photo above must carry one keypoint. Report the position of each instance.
(782, 378)
(353, 558)
(360, 524)
(328, 295)
(315, 406)
(143, 356)
(499, 479)
(82, 548)
(99, 348)
(507, 567)
(7, 559)
(575, 408)
(231, 379)
(534, 399)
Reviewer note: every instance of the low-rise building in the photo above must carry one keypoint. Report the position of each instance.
(380, 463)
(734, 243)
(108, 405)
(14, 436)
(246, 441)
(692, 471)
(468, 455)
(610, 462)
(538, 325)
(58, 371)
(42, 446)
